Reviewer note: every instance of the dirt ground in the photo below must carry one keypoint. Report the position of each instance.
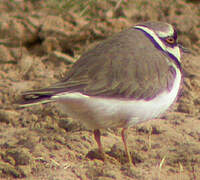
(39, 41)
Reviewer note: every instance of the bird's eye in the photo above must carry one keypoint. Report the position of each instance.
(170, 40)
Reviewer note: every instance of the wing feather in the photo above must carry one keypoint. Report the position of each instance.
(115, 68)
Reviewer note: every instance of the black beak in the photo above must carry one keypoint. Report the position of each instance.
(184, 49)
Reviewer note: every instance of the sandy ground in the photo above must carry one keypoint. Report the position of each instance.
(39, 41)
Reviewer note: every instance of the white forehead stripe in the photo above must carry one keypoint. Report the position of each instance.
(170, 32)
(153, 35)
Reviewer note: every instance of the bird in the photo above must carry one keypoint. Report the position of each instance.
(131, 77)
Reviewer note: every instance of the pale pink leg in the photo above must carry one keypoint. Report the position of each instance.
(97, 137)
(124, 136)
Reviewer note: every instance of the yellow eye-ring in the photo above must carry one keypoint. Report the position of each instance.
(170, 40)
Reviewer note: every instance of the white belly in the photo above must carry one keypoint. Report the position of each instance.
(99, 113)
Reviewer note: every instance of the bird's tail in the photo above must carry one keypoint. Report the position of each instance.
(41, 96)
(35, 97)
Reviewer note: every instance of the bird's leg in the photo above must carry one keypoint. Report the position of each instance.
(97, 137)
(124, 137)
